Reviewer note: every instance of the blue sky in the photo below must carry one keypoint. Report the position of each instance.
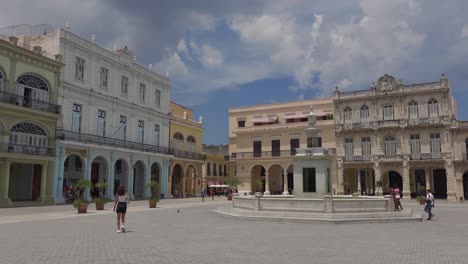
(222, 53)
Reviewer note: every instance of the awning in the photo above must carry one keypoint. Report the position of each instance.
(297, 116)
(264, 119)
(218, 186)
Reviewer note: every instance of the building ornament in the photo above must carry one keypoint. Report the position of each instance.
(387, 83)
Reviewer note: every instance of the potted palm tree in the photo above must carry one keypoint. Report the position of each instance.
(420, 197)
(100, 201)
(259, 185)
(234, 182)
(80, 203)
(154, 197)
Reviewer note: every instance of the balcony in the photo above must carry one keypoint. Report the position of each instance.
(391, 157)
(28, 102)
(357, 158)
(112, 142)
(316, 151)
(188, 155)
(262, 154)
(425, 121)
(27, 149)
(426, 156)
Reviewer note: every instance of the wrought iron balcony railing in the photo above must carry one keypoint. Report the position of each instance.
(29, 102)
(357, 158)
(27, 149)
(262, 154)
(113, 142)
(426, 156)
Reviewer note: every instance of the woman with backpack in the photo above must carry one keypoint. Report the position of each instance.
(397, 198)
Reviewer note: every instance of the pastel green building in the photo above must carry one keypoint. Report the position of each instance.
(28, 118)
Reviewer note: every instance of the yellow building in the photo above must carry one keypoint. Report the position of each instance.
(28, 117)
(216, 169)
(263, 138)
(185, 174)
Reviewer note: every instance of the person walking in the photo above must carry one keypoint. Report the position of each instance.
(121, 200)
(429, 204)
(212, 193)
(397, 198)
(203, 194)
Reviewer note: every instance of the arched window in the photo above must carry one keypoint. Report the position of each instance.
(390, 146)
(24, 135)
(364, 114)
(191, 143)
(413, 110)
(433, 108)
(2, 80)
(348, 115)
(33, 90)
(178, 136)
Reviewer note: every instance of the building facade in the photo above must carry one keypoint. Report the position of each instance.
(115, 126)
(460, 158)
(263, 138)
(186, 135)
(216, 169)
(396, 135)
(28, 116)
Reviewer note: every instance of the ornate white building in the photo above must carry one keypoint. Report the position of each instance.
(115, 117)
(397, 134)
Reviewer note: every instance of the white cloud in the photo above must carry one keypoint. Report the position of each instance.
(464, 31)
(202, 21)
(210, 57)
(172, 65)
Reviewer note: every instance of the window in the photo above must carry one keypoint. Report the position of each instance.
(257, 148)
(413, 110)
(76, 118)
(214, 170)
(220, 167)
(101, 124)
(294, 144)
(364, 114)
(225, 170)
(435, 144)
(348, 115)
(433, 108)
(366, 148)
(390, 146)
(141, 131)
(415, 146)
(123, 128)
(157, 98)
(308, 180)
(142, 92)
(314, 142)
(104, 78)
(388, 112)
(208, 169)
(275, 148)
(79, 69)
(349, 148)
(241, 123)
(124, 85)
(156, 135)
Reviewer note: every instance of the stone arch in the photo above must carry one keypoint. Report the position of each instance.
(178, 136)
(139, 179)
(191, 139)
(190, 184)
(392, 177)
(156, 172)
(99, 173)
(121, 173)
(275, 178)
(74, 168)
(257, 175)
(41, 125)
(290, 176)
(465, 185)
(177, 176)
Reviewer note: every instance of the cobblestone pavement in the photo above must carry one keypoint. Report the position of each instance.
(56, 234)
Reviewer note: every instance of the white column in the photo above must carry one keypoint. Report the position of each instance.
(267, 184)
(341, 188)
(406, 181)
(148, 177)
(130, 179)
(110, 178)
(450, 177)
(285, 184)
(4, 184)
(87, 194)
(58, 181)
(44, 174)
(358, 177)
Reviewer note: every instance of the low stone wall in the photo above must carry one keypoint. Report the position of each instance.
(328, 204)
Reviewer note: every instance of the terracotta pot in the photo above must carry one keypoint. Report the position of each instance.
(83, 208)
(229, 197)
(100, 206)
(422, 201)
(152, 203)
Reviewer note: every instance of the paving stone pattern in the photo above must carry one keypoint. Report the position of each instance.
(195, 235)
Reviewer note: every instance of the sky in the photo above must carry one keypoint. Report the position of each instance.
(221, 54)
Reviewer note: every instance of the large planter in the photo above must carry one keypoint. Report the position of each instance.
(152, 203)
(100, 205)
(82, 208)
(229, 197)
(421, 200)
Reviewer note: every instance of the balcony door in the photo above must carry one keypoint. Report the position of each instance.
(257, 148)
(275, 148)
(294, 143)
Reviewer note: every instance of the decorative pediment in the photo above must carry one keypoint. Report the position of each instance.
(387, 83)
